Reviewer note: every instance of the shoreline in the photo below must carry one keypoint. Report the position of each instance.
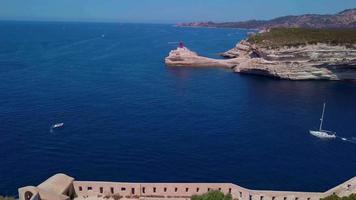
(281, 53)
(227, 28)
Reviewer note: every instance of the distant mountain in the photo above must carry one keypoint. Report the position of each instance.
(344, 19)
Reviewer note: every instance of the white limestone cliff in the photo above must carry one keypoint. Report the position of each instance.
(308, 62)
(183, 57)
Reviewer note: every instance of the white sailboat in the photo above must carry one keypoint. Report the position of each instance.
(323, 133)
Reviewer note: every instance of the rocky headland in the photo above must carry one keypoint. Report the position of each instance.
(284, 53)
(183, 57)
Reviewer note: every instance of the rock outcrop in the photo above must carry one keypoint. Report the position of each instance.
(308, 62)
(319, 61)
(183, 57)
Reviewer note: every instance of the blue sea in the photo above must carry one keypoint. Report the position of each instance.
(127, 117)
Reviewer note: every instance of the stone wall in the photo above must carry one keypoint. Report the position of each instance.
(71, 189)
(183, 190)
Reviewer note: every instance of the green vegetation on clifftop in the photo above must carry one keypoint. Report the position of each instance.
(6, 198)
(212, 195)
(290, 37)
(335, 197)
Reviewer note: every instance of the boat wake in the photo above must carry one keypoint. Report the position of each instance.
(350, 140)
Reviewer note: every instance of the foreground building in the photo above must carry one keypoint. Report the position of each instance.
(63, 187)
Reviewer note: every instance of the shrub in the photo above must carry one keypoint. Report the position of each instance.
(212, 195)
(6, 198)
(331, 197)
(335, 197)
(290, 37)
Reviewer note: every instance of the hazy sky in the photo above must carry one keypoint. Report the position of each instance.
(164, 10)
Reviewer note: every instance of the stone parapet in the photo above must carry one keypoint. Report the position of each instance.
(62, 187)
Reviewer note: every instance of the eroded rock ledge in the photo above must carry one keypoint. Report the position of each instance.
(183, 57)
(308, 62)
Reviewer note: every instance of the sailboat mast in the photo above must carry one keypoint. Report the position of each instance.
(322, 118)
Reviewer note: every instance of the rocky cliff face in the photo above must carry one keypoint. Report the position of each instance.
(319, 61)
(309, 62)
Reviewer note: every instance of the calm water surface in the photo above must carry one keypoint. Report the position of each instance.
(129, 118)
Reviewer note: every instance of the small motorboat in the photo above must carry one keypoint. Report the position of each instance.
(54, 126)
(58, 125)
(323, 133)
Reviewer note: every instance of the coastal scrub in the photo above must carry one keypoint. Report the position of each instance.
(6, 198)
(335, 197)
(212, 195)
(290, 37)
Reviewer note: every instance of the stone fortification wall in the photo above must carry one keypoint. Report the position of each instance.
(71, 189)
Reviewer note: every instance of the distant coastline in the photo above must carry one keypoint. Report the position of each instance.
(344, 19)
(182, 25)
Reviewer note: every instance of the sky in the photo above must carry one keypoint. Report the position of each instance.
(164, 11)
